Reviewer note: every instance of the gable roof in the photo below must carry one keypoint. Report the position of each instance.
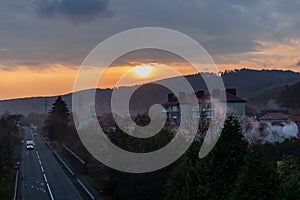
(274, 116)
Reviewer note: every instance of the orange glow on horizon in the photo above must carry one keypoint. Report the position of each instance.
(58, 80)
(26, 82)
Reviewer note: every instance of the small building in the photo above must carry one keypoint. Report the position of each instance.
(274, 118)
(204, 110)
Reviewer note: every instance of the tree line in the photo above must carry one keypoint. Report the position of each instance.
(232, 170)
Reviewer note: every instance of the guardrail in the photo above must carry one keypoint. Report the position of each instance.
(70, 151)
(76, 161)
(82, 185)
(63, 162)
(85, 189)
(16, 185)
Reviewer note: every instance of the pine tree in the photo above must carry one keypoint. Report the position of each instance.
(258, 178)
(58, 120)
(227, 159)
(212, 177)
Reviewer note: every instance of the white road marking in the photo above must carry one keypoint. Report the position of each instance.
(51, 196)
(42, 169)
(44, 175)
(45, 178)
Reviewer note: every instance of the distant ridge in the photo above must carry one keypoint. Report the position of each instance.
(249, 83)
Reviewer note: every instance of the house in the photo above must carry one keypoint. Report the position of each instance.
(274, 118)
(204, 110)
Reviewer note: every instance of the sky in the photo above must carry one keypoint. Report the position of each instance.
(43, 42)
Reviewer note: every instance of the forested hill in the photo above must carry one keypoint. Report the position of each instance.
(253, 82)
(290, 97)
(249, 83)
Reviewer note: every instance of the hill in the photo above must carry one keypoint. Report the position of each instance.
(290, 97)
(254, 85)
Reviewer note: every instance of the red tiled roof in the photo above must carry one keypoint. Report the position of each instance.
(274, 116)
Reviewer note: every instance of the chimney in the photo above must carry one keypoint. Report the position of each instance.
(216, 92)
(199, 93)
(231, 91)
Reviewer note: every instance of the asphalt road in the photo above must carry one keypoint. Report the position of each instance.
(41, 177)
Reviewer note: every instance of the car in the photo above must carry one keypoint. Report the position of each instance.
(29, 145)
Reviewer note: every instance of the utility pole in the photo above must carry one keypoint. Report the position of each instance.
(46, 105)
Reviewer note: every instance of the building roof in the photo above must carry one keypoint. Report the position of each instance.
(205, 98)
(233, 98)
(274, 116)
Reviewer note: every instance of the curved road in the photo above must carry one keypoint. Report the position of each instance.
(41, 177)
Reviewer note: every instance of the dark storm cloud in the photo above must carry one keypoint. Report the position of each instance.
(75, 10)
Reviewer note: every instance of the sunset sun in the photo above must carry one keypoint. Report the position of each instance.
(142, 71)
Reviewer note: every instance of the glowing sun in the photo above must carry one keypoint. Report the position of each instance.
(142, 71)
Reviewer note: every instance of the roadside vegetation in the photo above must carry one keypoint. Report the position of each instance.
(9, 138)
(232, 170)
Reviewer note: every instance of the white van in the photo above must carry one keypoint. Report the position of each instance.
(29, 144)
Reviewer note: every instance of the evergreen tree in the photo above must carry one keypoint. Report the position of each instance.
(289, 171)
(258, 178)
(214, 176)
(58, 120)
(227, 159)
(179, 185)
